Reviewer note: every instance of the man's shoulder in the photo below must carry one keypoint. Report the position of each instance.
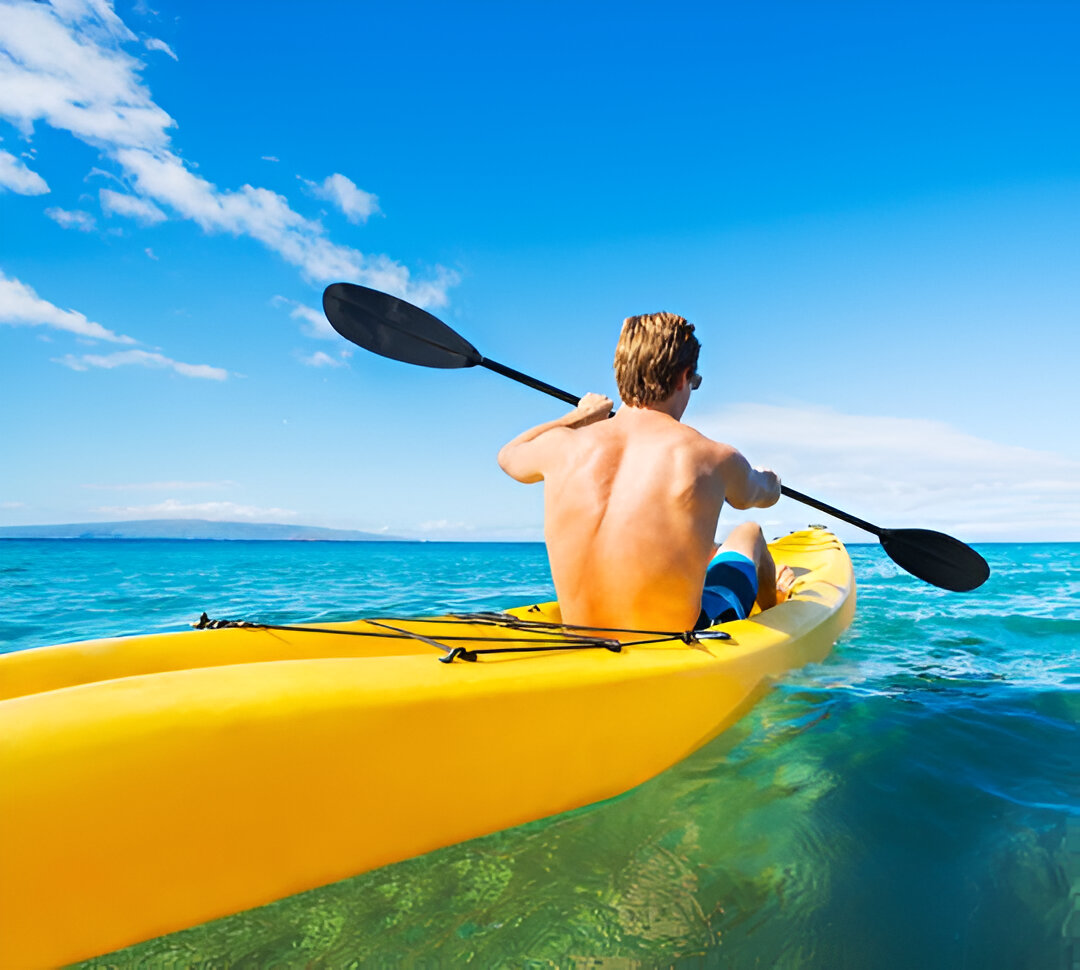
(690, 448)
(695, 439)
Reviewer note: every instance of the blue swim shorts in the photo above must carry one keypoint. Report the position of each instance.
(731, 587)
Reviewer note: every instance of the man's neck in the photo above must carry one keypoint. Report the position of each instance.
(669, 407)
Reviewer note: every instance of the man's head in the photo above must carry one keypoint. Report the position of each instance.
(655, 353)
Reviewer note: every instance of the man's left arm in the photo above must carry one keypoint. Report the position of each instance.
(526, 457)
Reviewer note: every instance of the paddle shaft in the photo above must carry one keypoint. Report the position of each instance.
(829, 510)
(516, 375)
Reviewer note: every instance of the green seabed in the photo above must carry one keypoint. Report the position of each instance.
(787, 842)
(653, 875)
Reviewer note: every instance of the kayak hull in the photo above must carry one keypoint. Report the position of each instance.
(143, 803)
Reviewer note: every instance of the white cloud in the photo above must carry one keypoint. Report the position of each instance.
(141, 210)
(149, 252)
(71, 219)
(65, 65)
(141, 358)
(12, 505)
(21, 306)
(156, 44)
(444, 525)
(314, 322)
(270, 158)
(96, 172)
(319, 359)
(267, 217)
(215, 511)
(14, 175)
(905, 472)
(357, 204)
(163, 486)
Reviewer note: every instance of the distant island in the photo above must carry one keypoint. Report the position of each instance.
(191, 529)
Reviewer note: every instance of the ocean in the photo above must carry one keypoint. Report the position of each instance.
(911, 802)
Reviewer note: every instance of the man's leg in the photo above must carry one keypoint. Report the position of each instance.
(748, 540)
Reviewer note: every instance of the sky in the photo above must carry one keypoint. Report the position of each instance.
(871, 212)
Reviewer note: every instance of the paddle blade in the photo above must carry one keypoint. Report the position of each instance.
(936, 558)
(393, 328)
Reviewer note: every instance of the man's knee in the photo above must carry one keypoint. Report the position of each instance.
(750, 529)
(746, 538)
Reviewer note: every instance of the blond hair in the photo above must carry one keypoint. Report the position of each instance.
(653, 352)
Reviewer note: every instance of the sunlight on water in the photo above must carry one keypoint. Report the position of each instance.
(914, 801)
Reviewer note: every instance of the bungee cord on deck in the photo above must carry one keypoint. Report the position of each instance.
(569, 639)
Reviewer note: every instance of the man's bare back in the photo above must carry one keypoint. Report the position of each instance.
(631, 509)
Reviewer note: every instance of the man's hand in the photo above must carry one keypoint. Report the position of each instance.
(770, 482)
(590, 409)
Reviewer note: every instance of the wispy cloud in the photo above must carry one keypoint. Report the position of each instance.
(141, 210)
(66, 65)
(319, 359)
(313, 322)
(444, 525)
(21, 306)
(215, 511)
(442, 528)
(156, 44)
(96, 172)
(71, 218)
(358, 205)
(141, 358)
(14, 175)
(448, 530)
(906, 472)
(159, 486)
(270, 158)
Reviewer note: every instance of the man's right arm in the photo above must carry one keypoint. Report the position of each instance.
(746, 487)
(530, 452)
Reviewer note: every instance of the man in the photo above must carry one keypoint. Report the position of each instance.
(631, 504)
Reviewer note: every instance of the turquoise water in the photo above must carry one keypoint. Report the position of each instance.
(914, 801)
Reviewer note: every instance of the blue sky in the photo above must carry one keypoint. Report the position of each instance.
(869, 211)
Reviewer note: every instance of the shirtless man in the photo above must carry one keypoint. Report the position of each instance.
(631, 505)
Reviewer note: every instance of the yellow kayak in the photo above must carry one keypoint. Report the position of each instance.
(153, 783)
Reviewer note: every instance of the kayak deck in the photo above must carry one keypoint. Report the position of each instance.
(158, 782)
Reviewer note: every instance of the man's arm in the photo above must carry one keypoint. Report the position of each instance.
(526, 457)
(746, 487)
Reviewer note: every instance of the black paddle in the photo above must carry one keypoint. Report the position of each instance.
(393, 328)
